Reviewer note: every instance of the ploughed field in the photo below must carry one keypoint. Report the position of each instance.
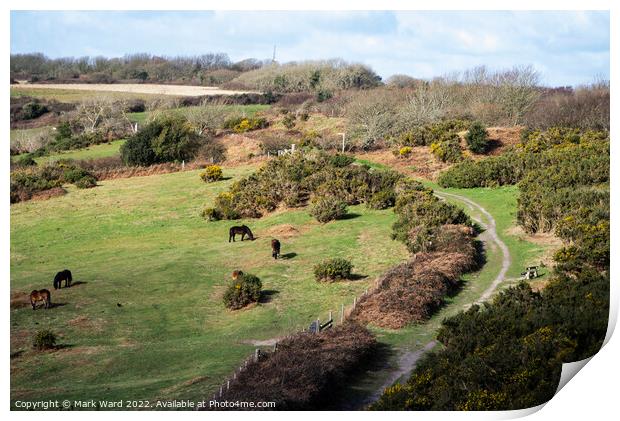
(145, 318)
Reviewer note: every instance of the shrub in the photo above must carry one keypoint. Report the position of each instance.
(477, 138)
(168, 138)
(327, 208)
(211, 173)
(211, 214)
(33, 110)
(382, 200)
(44, 339)
(26, 161)
(27, 181)
(86, 182)
(244, 290)
(341, 160)
(333, 270)
(289, 121)
(405, 151)
(225, 207)
(244, 124)
(447, 150)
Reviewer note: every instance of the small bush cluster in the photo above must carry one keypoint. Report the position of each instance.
(328, 208)
(44, 339)
(211, 174)
(537, 151)
(27, 181)
(331, 270)
(331, 181)
(246, 289)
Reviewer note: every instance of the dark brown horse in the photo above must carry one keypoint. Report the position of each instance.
(63, 275)
(41, 295)
(243, 230)
(275, 248)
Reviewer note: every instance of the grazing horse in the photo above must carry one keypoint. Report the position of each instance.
(236, 274)
(64, 275)
(275, 248)
(243, 230)
(41, 295)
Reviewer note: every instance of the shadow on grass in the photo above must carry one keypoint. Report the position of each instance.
(288, 255)
(76, 283)
(356, 277)
(267, 295)
(349, 216)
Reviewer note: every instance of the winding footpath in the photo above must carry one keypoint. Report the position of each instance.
(408, 360)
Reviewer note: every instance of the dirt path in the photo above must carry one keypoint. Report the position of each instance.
(408, 360)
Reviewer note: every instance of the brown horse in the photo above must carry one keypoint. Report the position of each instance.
(243, 230)
(41, 295)
(275, 248)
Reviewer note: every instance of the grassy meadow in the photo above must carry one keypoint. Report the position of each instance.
(145, 319)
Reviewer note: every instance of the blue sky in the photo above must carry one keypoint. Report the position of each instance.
(567, 48)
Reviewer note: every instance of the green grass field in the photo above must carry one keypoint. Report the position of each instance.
(140, 243)
(249, 110)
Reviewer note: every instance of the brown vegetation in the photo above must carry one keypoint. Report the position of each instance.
(307, 370)
(412, 291)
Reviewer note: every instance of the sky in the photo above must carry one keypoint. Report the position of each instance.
(566, 47)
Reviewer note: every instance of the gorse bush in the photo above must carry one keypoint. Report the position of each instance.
(168, 138)
(332, 270)
(293, 179)
(327, 208)
(44, 339)
(430, 133)
(245, 124)
(405, 151)
(477, 137)
(448, 150)
(211, 173)
(27, 181)
(244, 290)
(590, 151)
(420, 215)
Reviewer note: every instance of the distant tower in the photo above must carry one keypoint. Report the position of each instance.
(273, 60)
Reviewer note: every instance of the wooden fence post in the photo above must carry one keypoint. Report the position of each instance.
(342, 313)
(354, 302)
